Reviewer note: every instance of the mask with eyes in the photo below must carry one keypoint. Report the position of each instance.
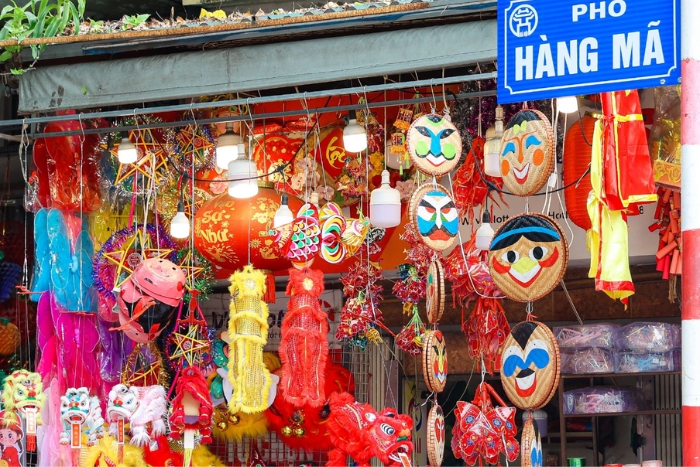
(531, 443)
(530, 365)
(528, 257)
(435, 216)
(526, 152)
(434, 144)
(434, 361)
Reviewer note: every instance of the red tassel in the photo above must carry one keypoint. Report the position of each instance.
(270, 295)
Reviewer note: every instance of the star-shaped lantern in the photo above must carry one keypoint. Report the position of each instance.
(190, 346)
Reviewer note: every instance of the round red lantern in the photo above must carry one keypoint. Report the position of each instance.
(227, 230)
(577, 158)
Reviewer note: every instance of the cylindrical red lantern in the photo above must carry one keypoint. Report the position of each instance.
(577, 158)
(227, 230)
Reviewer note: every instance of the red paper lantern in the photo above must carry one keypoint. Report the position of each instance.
(227, 229)
(577, 158)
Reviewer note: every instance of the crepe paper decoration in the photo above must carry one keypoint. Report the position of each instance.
(486, 330)
(360, 315)
(68, 345)
(527, 152)
(63, 250)
(229, 426)
(436, 436)
(109, 453)
(435, 216)
(121, 254)
(411, 335)
(471, 278)
(483, 431)
(530, 365)
(150, 413)
(191, 143)
(668, 222)
(11, 442)
(434, 144)
(300, 240)
(247, 330)
(577, 160)
(80, 413)
(434, 361)
(469, 183)
(67, 166)
(531, 443)
(304, 346)
(528, 257)
(305, 427)
(191, 400)
(435, 292)
(23, 396)
(359, 431)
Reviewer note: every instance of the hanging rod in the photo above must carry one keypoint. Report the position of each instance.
(250, 100)
(270, 115)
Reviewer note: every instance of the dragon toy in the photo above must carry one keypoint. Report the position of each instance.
(123, 402)
(23, 392)
(304, 346)
(152, 406)
(192, 388)
(247, 328)
(358, 431)
(79, 408)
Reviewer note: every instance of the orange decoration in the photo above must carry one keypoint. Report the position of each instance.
(225, 226)
(577, 157)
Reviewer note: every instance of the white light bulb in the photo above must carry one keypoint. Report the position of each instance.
(242, 175)
(394, 161)
(180, 225)
(227, 147)
(126, 152)
(385, 204)
(492, 148)
(354, 135)
(567, 105)
(284, 215)
(484, 235)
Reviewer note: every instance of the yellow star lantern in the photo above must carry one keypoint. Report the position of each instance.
(137, 248)
(190, 346)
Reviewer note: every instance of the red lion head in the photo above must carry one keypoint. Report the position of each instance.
(357, 430)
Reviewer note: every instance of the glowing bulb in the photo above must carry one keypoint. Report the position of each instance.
(227, 147)
(180, 225)
(385, 204)
(484, 235)
(354, 135)
(492, 148)
(283, 215)
(242, 175)
(567, 105)
(126, 152)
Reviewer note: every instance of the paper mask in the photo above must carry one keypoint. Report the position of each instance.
(530, 365)
(526, 152)
(436, 436)
(435, 216)
(434, 144)
(528, 257)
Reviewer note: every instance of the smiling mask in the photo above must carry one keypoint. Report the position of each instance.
(434, 144)
(530, 365)
(528, 257)
(527, 158)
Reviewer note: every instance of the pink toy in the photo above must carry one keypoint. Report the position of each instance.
(153, 405)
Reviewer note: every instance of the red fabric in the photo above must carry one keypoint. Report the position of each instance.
(191, 381)
(627, 173)
(303, 349)
(11, 456)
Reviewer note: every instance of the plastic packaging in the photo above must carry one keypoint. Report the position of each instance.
(585, 336)
(632, 362)
(602, 400)
(647, 338)
(584, 361)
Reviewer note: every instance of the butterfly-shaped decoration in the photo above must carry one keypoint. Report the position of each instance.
(434, 144)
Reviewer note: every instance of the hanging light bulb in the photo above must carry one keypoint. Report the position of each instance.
(394, 161)
(126, 152)
(227, 147)
(385, 204)
(243, 181)
(283, 215)
(492, 147)
(567, 105)
(484, 235)
(180, 225)
(354, 135)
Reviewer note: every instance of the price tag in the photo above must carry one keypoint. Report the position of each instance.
(120, 430)
(30, 415)
(76, 439)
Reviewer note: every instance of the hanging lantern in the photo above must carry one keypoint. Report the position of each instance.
(225, 226)
(577, 157)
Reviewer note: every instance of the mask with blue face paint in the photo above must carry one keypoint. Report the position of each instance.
(435, 216)
(434, 144)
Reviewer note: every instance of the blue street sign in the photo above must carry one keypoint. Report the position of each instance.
(556, 48)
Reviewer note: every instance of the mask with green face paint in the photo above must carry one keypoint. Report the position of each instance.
(434, 144)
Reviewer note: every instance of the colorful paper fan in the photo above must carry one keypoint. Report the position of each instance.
(64, 260)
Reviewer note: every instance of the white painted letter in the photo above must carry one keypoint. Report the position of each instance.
(624, 49)
(567, 57)
(523, 62)
(545, 62)
(588, 61)
(620, 4)
(600, 10)
(578, 10)
(653, 49)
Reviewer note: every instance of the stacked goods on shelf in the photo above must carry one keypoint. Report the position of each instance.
(586, 348)
(647, 347)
